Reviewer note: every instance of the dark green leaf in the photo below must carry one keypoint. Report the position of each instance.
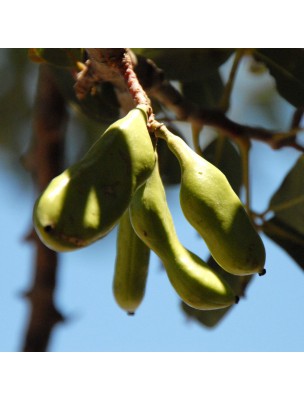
(287, 238)
(287, 68)
(15, 101)
(286, 227)
(187, 64)
(213, 317)
(58, 57)
(288, 201)
(207, 318)
(102, 106)
(223, 154)
(206, 92)
(238, 283)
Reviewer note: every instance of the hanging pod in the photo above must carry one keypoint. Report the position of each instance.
(216, 212)
(194, 281)
(131, 267)
(86, 201)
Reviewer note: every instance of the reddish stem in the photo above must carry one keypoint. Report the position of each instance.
(126, 69)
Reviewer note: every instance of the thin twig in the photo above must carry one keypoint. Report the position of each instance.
(158, 88)
(225, 100)
(244, 146)
(297, 118)
(116, 66)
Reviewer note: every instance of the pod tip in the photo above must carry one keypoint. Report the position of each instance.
(131, 313)
(263, 272)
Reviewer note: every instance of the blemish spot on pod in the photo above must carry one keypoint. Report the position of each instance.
(193, 280)
(131, 267)
(215, 211)
(85, 202)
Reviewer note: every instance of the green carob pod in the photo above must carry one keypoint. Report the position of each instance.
(86, 201)
(216, 212)
(193, 280)
(131, 267)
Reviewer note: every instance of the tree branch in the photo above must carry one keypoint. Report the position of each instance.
(115, 66)
(45, 159)
(160, 89)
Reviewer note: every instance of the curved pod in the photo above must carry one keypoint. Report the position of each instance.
(216, 212)
(193, 280)
(85, 202)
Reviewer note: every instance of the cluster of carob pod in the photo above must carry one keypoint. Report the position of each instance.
(118, 182)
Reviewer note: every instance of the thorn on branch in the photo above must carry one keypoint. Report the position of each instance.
(30, 236)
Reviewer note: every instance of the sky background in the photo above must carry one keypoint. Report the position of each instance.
(270, 318)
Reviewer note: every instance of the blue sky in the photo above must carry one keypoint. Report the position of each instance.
(270, 318)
